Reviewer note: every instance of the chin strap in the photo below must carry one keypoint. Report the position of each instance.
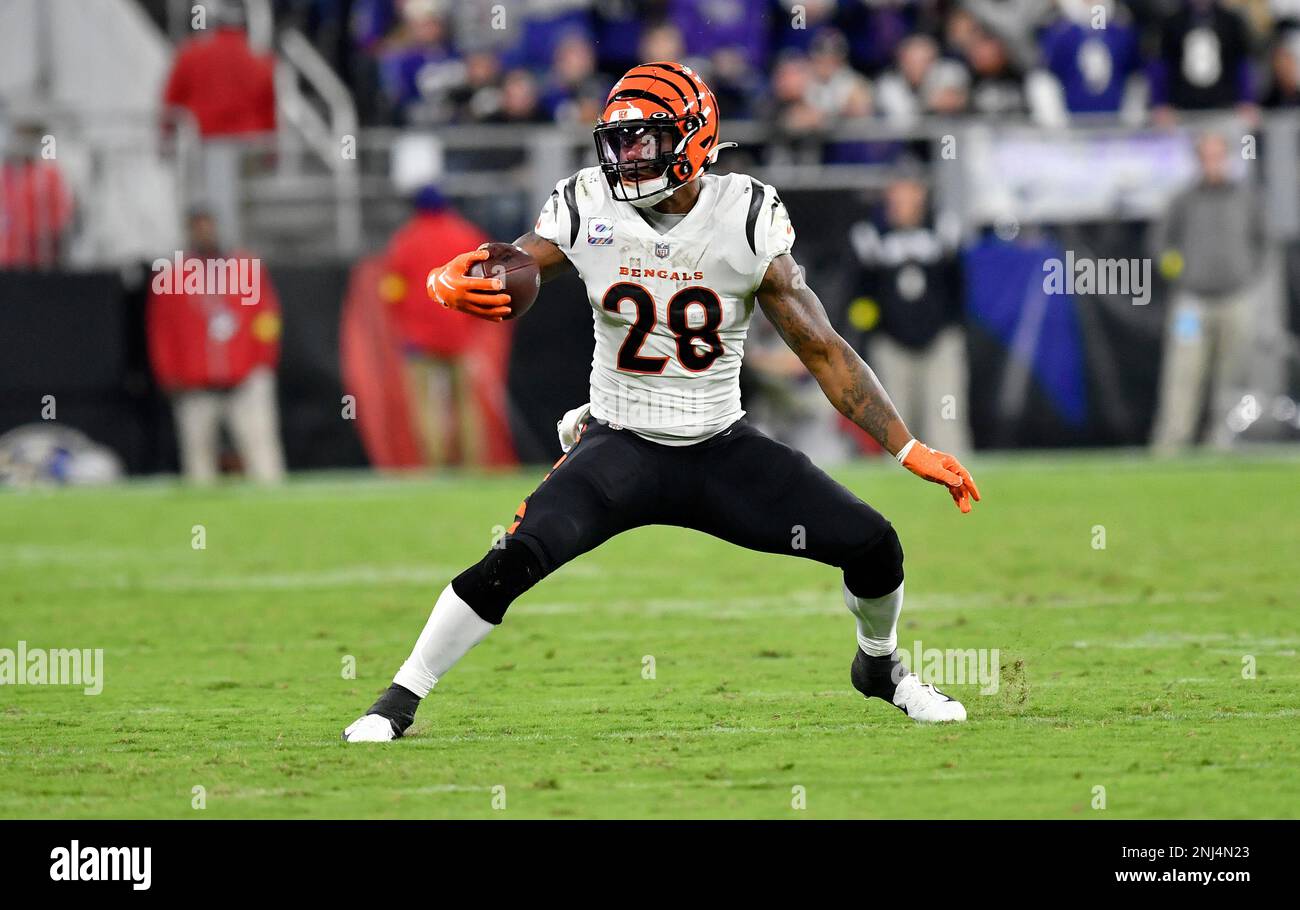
(655, 198)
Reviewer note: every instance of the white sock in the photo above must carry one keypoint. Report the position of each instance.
(877, 620)
(453, 628)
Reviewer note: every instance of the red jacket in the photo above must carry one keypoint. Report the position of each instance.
(35, 210)
(229, 89)
(425, 242)
(208, 340)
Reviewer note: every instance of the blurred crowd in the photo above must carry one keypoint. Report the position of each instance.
(804, 66)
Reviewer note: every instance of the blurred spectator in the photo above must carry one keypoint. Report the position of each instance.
(230, 90)
(519, 100)
(36, 206)
(479, 96)
(417, 68)
(907, 315)
(997, 86)
(839, 93)
(438, 344)
(214, 352)
(835, 86)
(1211, 245)
(946, 90)
(794, 122)
(922, 82)
(223, 82)
(1284, 81)
(1204, 62)
(735, 84)
(575, 92)
(661, 42)
(900, 89)
(858, 107)
(1094, 63)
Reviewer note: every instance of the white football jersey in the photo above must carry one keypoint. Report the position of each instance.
(670, 310)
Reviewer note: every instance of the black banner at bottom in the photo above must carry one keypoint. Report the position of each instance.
(338, 858)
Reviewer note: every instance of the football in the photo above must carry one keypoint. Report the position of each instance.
(517, 269)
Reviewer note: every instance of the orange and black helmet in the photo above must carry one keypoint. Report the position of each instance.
(659, 131)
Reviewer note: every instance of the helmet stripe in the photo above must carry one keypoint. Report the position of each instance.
(674, 86)
(624, 94)
(655, 81)
(691, 84)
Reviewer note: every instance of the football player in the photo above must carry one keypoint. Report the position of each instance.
(674, 259)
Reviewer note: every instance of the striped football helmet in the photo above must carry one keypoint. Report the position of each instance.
(658, 132)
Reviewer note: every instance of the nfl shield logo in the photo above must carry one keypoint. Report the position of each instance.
(661, 250)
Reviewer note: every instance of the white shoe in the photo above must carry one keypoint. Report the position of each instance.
(370, 729)
(925, 704)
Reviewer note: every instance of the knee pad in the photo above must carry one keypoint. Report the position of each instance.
(877, 570)
(492, 584)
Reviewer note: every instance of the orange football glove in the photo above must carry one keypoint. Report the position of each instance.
(451, 287)
(940, 467)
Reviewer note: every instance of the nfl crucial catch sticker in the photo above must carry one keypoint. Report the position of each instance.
(600, 231)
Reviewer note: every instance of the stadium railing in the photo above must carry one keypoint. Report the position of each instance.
(983, 171)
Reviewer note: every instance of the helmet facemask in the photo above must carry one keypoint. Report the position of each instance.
(644, 160)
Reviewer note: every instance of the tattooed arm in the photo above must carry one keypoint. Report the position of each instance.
(799, 317)
(793, 308)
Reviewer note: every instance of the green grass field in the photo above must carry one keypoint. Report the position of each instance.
(1122, 667)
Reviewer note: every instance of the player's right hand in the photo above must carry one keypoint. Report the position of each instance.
(451, 287)
(940, 467)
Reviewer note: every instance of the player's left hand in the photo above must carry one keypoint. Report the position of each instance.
(940, 467)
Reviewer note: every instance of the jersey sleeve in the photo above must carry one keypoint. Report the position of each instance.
(768, 225)
(559, 219)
